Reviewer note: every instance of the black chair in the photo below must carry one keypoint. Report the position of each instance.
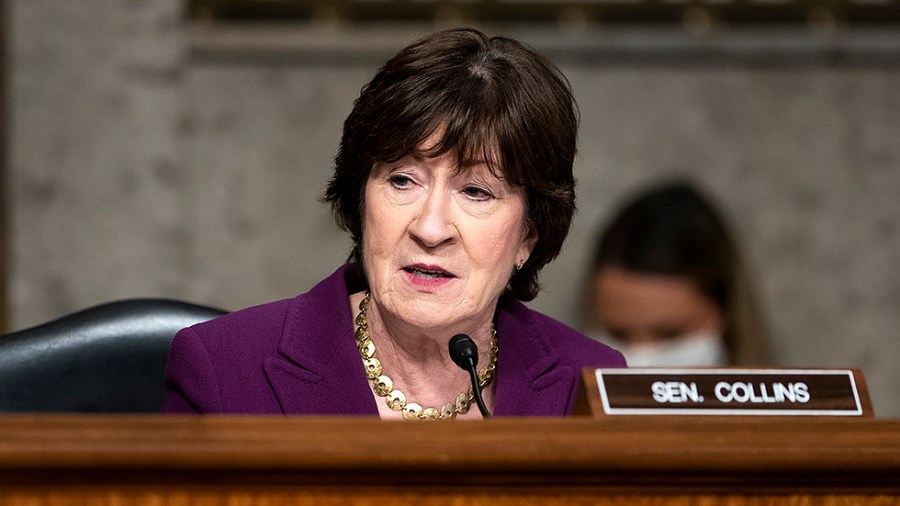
(109, 358)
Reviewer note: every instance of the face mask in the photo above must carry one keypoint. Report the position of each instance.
(700, 349)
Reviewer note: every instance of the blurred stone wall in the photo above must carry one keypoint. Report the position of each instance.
(152, 158)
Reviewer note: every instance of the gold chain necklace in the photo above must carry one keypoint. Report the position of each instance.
(395, 399)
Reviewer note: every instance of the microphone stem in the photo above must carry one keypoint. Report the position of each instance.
(476, 391)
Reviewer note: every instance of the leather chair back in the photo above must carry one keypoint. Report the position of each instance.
(109, 358)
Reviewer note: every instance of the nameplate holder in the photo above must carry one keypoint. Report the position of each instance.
(723, 392)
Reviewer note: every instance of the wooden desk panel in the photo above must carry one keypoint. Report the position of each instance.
(235, 461)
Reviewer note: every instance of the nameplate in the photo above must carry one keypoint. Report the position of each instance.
(765, 392)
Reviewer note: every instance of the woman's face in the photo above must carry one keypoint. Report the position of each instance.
(439, 245)
(640, 308)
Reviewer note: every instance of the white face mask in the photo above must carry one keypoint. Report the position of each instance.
(700, 349)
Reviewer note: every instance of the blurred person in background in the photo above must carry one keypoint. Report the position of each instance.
(668, 285)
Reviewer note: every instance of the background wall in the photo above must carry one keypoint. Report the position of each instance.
(152, 158)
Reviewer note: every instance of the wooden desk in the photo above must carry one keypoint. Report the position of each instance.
(181, 460)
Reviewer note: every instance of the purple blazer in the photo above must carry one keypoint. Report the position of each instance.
(298, 356)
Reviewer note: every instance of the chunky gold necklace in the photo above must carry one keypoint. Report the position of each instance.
(395, 399)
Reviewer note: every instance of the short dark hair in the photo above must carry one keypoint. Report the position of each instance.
(481, 93)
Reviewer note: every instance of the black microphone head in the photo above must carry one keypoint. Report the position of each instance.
(463, 351)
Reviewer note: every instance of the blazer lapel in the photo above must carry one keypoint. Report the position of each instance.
(529, 380)
(317, 369)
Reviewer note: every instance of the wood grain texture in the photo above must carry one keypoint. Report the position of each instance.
(381, 497)
(238, 460)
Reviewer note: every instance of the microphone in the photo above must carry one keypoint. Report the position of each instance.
(464, 352)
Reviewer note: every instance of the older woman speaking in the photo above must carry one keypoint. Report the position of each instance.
(454, 179)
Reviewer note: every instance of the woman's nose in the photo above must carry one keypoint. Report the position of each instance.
(433, 224)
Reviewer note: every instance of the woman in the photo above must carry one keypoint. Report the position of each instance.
(454, 179)
(668, 286)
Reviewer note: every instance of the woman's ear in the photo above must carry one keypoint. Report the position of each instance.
(525, 247)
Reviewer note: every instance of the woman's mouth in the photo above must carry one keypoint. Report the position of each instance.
(428, 272)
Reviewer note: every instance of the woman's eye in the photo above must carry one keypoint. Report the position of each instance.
(671, 333)
(477, 193)
(400, 181)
